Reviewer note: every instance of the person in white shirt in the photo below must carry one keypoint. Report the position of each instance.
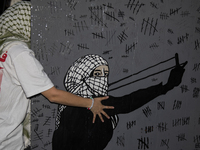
(22, 76)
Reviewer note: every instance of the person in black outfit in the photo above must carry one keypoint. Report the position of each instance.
(88, 77)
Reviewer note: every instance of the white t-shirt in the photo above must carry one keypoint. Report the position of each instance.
(21, 76)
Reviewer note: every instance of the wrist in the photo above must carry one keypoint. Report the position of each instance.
(89, 108)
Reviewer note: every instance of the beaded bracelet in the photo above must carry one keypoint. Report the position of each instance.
(92, 103)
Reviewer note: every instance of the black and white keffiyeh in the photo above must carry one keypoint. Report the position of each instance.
(79, 80)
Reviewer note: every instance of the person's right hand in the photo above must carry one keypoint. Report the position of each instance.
(97, 108)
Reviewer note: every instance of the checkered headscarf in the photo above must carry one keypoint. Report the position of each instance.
(79, 80)
(15, 24)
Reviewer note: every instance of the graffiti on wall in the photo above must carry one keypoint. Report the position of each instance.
(139, 44)
(88, 77)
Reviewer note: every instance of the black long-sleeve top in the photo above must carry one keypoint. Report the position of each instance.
(77, 132)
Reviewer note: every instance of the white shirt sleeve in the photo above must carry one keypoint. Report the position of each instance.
(29, 71)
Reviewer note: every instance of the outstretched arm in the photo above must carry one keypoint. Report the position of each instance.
(133, 101)
(62, 97)
(136, 99)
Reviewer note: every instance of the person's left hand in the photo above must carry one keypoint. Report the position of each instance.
(97, 108)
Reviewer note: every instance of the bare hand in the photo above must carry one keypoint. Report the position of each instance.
(97, 108)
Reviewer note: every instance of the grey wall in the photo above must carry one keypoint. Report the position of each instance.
(131, 35)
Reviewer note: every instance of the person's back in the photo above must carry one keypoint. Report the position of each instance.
(21, 75)
(13, 101)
